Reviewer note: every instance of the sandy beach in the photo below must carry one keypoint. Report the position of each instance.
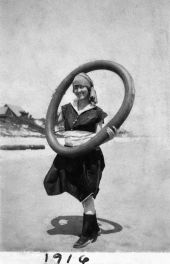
(132, 205)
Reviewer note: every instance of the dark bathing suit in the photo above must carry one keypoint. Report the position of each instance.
(79, 176)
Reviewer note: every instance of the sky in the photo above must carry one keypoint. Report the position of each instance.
(42, 41)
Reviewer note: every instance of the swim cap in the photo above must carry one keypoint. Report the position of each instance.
(83, 79)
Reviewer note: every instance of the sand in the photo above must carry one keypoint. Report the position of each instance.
(132, 205)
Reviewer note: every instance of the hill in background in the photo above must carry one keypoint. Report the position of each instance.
(32, 128)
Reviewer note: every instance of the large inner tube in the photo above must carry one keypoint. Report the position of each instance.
(116, 121)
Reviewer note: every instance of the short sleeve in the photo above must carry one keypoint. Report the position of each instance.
(101, 115)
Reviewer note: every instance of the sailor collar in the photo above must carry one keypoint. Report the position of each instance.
(87, 107)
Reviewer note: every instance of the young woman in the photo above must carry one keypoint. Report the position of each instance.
(80, 176)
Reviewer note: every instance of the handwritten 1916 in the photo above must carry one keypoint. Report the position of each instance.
(58, 258)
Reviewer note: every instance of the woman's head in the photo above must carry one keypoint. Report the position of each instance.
(83, 87)
(82, 79)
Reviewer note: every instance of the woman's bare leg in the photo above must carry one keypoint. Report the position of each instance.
(88, 205)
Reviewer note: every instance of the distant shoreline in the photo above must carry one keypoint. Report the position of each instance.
(23, 136)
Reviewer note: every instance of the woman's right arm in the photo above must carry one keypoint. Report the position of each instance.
(59, 117)
(59, 120)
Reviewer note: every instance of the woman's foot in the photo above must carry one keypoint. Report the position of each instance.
(84, 241)
(90, 231)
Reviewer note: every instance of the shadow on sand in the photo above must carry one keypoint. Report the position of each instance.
(72, 225)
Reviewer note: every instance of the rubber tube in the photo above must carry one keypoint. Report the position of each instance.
(116, 121)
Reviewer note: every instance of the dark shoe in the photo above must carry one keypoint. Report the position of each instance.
(90, 231)
(96, 228)
(83, 241)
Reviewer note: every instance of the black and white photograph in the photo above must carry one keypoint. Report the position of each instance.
(84, 131)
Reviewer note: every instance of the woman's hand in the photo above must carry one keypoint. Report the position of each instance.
(111, 132)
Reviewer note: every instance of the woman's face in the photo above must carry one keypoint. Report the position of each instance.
(81, 92)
